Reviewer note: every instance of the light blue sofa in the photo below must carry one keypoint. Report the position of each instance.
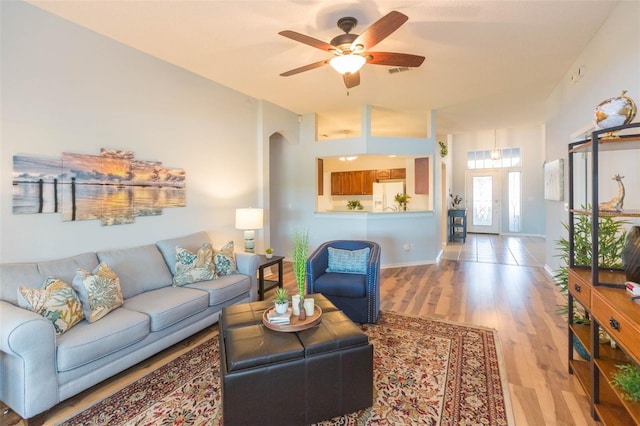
(38, 369)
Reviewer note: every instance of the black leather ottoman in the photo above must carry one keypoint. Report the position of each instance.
(279, 378)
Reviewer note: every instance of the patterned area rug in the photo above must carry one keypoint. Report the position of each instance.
(426, 372)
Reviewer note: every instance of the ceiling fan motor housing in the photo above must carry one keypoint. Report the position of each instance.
(343, 41)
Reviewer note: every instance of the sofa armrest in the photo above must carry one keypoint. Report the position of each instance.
(29, 380)
(248, 264)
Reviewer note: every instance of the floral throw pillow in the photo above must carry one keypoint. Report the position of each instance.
(192, 268)
(57, 302)
(99, 291)
(225, 260)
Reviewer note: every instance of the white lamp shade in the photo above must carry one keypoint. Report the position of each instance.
(347, 63)
(249, 218)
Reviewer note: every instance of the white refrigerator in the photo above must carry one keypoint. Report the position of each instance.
(384, 194)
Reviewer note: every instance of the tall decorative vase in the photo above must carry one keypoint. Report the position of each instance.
(303, 314)
(631, 255)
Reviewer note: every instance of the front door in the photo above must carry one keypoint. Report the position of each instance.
(483, 201)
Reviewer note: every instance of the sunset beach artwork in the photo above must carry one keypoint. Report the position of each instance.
(112, 187)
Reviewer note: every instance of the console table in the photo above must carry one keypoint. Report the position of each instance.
(458, 224)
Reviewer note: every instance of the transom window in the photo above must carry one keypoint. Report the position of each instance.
(509, 157)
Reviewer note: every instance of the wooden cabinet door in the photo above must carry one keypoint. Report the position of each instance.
(422, 175)
(357, 182)
(383, 174)
(369, 179)
(336, 183)
(398, 173)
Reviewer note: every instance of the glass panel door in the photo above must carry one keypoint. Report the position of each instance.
(483, 193)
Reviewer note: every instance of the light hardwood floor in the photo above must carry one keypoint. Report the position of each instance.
(518, 301)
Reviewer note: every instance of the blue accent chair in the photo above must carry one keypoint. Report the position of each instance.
(357, 295)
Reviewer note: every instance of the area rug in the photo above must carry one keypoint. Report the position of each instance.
(426, 372)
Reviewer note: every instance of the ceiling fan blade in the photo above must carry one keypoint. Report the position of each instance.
(351, 79)
(313, 42)
(305, 68)
(379, 30)
(394, 59)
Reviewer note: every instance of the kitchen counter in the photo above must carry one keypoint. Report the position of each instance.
(366, 212)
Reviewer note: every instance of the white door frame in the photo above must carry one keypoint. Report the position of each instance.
(496, 203)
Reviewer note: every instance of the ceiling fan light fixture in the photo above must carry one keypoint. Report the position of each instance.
(347, 63)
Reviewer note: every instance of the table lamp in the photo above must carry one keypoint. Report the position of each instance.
(249, 219)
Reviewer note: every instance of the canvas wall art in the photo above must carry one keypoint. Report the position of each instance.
(554, 180)
(112, 187)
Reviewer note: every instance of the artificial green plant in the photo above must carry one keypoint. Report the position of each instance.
(627, 378)
(611, 237)
(300, 250)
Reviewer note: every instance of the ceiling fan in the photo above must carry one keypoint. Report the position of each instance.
(351, 51)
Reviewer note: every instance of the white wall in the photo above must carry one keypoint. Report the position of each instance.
(293, 181)
(530, 140)
(610, 63)
(68, 89)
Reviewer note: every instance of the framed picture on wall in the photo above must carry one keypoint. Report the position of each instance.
(554, 180)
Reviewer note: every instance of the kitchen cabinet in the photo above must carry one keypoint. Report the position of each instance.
(369, 179)
(340, 183)
(601, 291)
(397, 173)
(359, 182)
(383, 174)
(320, 177)
(422, 175)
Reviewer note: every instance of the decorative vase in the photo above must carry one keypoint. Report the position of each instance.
(631, 255)
(295, 304)
(269, 255)
(582, 351)
(303, 315)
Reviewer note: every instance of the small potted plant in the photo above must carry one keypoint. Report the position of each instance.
(402, 200)
(281, 301)
(269, 253)
(354, 205)
(456, 201)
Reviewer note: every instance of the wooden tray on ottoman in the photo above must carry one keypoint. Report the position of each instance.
(295, 324)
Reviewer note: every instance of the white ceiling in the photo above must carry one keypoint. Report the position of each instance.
(489, 64)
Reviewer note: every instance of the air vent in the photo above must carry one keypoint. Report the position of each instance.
(398, 69)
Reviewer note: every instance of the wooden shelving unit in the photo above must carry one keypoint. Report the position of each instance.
(602, 294)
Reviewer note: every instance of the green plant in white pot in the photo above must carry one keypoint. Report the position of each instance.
(300, 251)
(281, 300)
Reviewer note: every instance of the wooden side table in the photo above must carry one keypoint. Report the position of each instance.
(264, 285)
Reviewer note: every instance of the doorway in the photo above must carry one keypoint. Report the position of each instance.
(482, 188)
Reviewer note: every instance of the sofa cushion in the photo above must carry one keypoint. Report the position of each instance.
(33, 274)
(140, 268)
(169, 305)
(224, 288)
(99, 291)
(348, 261)
(194, 267)
(340, 284)
(87, 342)
(56, 301)
(225, 260)
(191, 242)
